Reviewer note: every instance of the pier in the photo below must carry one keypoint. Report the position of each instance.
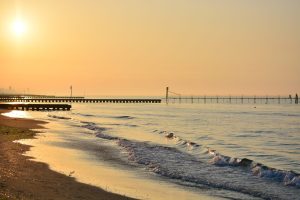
(33, 107)
(175, 97)
(231, 99)
(76, 100)
(171, 97)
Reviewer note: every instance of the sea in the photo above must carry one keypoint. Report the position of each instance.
(177, 150)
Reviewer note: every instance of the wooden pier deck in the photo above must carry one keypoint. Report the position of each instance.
(33, 107)
(78, 100)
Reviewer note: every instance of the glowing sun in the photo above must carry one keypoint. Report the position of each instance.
(19, 27)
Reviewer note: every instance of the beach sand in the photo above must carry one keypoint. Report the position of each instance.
(21, 178)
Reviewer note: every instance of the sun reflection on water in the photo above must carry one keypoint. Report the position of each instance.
(17, 114)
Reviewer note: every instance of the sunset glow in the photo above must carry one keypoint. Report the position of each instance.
(19, 27)
(139, 48)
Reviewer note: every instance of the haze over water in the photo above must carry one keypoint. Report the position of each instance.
(196, 160)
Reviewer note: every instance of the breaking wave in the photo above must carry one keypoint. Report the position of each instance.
(105, 116)
(58, 117)
(288, 178)
(223, 172)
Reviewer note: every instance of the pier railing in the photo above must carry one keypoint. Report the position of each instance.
(231, 99)
(37, 97)
(175, 97)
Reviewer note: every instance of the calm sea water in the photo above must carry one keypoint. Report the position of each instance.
(235, 151)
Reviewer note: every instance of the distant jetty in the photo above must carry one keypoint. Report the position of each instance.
(232, 99)
(64, 99)
(175, 97)
(171, 97)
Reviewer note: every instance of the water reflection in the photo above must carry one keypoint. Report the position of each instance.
(17, 114)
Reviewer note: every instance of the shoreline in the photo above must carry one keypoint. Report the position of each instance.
(21, 178)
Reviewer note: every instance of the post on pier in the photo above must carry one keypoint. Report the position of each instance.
(71, 90)
(167, 95)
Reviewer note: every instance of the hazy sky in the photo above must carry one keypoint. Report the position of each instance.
(138, 47)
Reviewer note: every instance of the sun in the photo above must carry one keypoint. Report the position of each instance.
(19, 27)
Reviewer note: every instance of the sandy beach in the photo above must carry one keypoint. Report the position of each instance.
(21, 178)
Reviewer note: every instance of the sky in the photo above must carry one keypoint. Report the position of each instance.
(139, 47)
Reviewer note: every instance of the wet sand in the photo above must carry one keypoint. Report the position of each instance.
(21, 178)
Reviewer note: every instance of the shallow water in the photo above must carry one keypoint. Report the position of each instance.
(157, 151)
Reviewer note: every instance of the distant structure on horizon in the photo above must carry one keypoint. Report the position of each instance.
(179, 98)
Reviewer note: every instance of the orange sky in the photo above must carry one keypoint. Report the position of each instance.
(138, 47)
